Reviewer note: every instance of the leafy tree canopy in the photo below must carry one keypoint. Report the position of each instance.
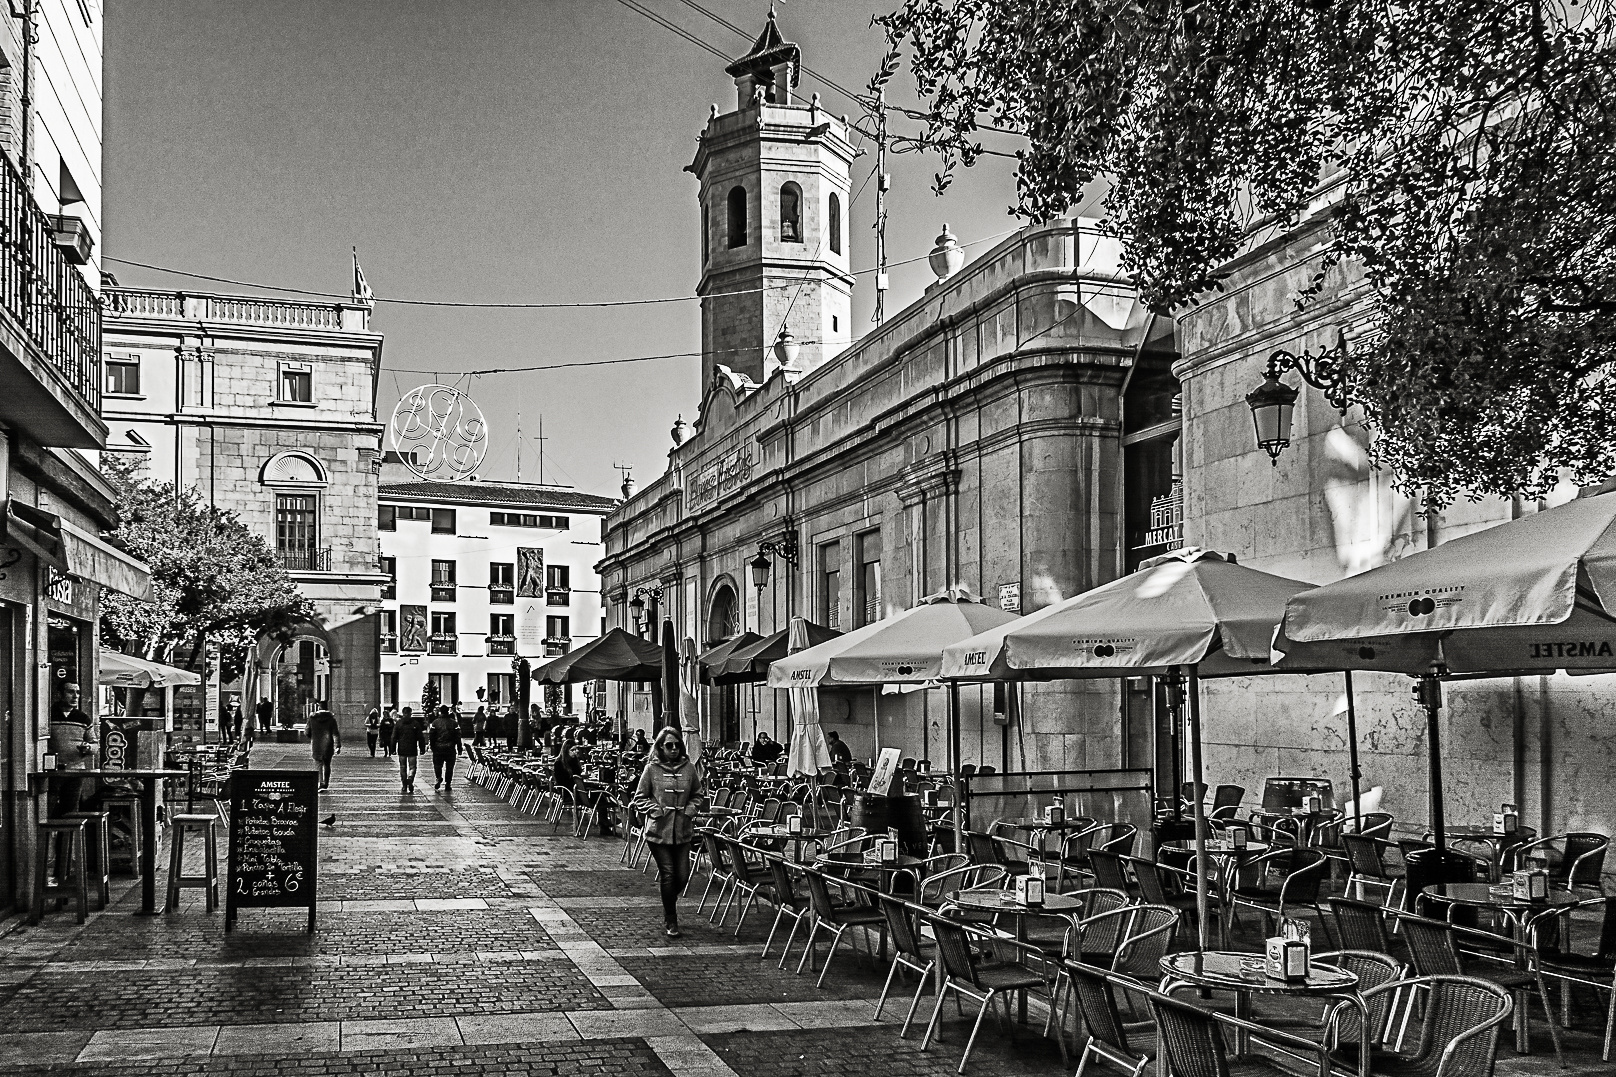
(1469, 147)
(211, 576)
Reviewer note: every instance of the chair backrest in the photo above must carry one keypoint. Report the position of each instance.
(987, 768)
(901, 927)
(1190, 1038)
(784, 892)
(1190, 792)
(1108, 870)
(1372, 969)
(1228, 796)
(1607, 931)
(1431, 948)
(1121, 839)
(771, 810)
(716, 854)
(983, 849)
(1576, 870)
(954, 949)
(935, 884)
(1099, 899)
(1359, 925)
(1150, 936)
(1375, 824)
(739, 864)
(1456, 1007)
(1364, 853)
(1102, 932)
(1305, 874)
(1152, 884)
(1098, 1001)
(968, 770)
(819, 895)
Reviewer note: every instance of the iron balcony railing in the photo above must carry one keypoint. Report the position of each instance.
(444, 645)
(443, 592)
(501, 645)
(306, 560)
(558, 596)
(42, 291)
(499, 595)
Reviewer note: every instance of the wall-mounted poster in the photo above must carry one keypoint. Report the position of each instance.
(412, 628)
(529, 573)
(530, 629)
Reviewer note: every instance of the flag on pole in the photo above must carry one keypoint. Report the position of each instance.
(361, 287)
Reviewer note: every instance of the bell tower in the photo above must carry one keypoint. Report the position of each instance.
(773, 190)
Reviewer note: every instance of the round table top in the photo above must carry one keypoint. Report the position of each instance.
(1223, 848)
(864, 862)
(990, 900)
(1523, 833)
(777, 831)
(1497, 897)
(1069, 823)
(1244, 972)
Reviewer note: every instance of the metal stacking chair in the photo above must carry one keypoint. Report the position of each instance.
(718, 870)
(1367, 866)
(1556, 961)
(1108, 870)
(1191, 1041)
(1300, 873)
(835, 917)
(1120, 840)
(1359, 925)
(1162, 885)
(1458, 1034)
(910, 950)
(1225, 803)
(1139, 936)
(957, 948)
(788, 901)
(748, 876)
(1575, 860)
(1107, 1033)
(935, 886)
(1340, 1020)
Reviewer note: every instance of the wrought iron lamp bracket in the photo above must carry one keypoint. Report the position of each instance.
(1325, 370)
(785, 548)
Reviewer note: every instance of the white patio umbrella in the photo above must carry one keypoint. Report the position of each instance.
(1533, 595)
(809, 753)
(906, 648)
(1191, 610)
(120, 670)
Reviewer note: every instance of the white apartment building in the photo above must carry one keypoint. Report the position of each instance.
(483, 573)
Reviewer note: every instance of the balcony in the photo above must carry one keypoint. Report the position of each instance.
(50, 328)
(443, 645)
(558, 596)
(556, 646)
(501, 645)
(501, 596)
(390, 590)
(310, 560)
(389, 643)
(443, 592)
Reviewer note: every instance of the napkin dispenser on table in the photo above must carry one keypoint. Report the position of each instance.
(1055, 814)
(793, 824)
(1030, 890)
(1506, 821)
(1530, 885)
(1237, 837)
(888, 850)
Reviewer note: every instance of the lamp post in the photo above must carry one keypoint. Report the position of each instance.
(1273, 403)
(637, 604)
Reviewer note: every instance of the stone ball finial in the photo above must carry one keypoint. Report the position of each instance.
(678, 431)
(946, 258)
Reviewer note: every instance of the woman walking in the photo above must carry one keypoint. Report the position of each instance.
(373, 729)
(387, 731)
(670, 795)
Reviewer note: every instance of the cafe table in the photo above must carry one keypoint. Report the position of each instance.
(870, 863)
(150, 780)
(1004, 903)
(1501, 898)
(1242, 973)
(777, 832)
(1497, 845)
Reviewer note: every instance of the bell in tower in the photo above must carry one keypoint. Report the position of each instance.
(774, 182)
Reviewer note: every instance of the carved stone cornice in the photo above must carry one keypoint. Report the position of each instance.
(930, 478)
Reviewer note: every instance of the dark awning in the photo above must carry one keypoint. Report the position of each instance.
(710, 663)
(37, 531)
(90, 558)
(616, 656)
(751, 663)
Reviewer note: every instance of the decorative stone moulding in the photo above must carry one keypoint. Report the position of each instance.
(947, 256)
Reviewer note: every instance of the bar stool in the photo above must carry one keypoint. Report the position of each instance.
(98, 864)
(208, 881)
(73, 884)
(117, 808)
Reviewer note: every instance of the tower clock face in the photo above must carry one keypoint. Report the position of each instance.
(439, 433)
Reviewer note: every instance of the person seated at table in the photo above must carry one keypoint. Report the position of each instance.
(566, 771)
(637, 750)
(766, 750)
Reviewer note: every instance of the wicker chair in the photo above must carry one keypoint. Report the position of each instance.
(910, 950)
(1107, 868)
(1130, 942)
(1458, 1034)
(1226, 802)
(1191, 1040)
(957, 948)
(1575, 860)
(1368, 867)
(1299, 872)
(718, 870)
(1596, 970)
(835, 918)
(936, 886)
(1107, 1032)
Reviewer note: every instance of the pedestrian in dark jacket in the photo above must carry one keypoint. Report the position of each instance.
(387, 731)
(670, 795)
(409, 741)
(444, 736)
(325, 738)
(373, 730)
(513, 726)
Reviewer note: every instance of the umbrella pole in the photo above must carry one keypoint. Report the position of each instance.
(953, 762)
(1429, 694)
(1352, 749)
(1202, 897)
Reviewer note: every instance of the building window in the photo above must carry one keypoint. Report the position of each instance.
(297, 385)
(790, 213)
(389, 631)
(444, 640)
(409, 512)
(737, 217)
(557, 585)
(867, 579)
(443, 521)
(443, 581)
(830, 585)
(501, 689)
(558, 628)
(297, 532)
(390, 570)
(387, 517)
(834, 220)
(389, 689)
(445, 687)
(501, 583)
(528, 519)
(123, 375)
(502, 633)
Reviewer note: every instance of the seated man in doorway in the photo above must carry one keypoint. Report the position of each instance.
(841, 756)
(766, 750)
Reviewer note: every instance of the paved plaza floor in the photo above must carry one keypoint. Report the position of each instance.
(456, 934)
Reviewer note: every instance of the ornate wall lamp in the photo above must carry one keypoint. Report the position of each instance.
(784, 547)
(1273, 403)
(637, 605)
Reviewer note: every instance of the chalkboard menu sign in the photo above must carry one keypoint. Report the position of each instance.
(273, 841)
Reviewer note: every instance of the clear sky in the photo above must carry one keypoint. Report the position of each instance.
(486, 150)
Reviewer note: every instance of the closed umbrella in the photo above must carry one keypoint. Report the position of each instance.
(809, 753)
(669, 678)
(1533, 595)
(1192, 611)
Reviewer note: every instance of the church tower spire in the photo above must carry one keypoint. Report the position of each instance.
(773, 188)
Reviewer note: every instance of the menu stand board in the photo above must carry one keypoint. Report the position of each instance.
(273, 841)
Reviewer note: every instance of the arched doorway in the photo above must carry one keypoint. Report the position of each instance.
(724, 700)
(301, 679)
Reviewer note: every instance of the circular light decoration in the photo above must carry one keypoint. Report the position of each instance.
(439, 433)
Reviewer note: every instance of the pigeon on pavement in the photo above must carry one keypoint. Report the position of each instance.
(330, 820)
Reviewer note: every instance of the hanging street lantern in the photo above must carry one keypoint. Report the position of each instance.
(1273, 403)
(760, 566)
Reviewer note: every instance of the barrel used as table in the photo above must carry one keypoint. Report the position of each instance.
(877, 814)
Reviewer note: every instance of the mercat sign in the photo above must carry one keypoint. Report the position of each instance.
(723, 476)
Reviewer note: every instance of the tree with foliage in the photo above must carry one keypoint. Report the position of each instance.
(211, 577)
(1467, 149)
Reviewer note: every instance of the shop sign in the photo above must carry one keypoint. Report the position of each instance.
(70, 595)
(725, 476)
(1010, 597)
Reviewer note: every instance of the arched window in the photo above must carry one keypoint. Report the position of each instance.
(737, 217)
(790, 213)
(835, 223)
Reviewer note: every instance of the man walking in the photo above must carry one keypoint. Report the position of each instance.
(444, 735)
(409, 740)
(265, 712)
(325, 738)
